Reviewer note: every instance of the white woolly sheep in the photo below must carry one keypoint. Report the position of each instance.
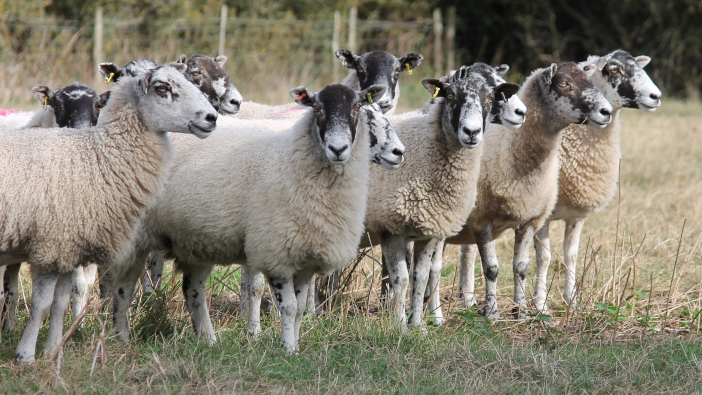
(589, 162)
(430, 196)
(290, 204)
(69, 197)
(518, 181)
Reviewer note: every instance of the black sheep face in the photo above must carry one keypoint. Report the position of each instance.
(74, 106)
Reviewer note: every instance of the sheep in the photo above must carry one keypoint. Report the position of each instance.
(372, 68)
(68, 197)
(74, 106)
(286, 204)
(589, 162)
(430, 196)
(518, 181)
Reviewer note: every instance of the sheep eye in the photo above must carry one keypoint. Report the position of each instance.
(614, 70)
(195, 73)
(161, 88)
(449, 96)
(317, 109)
(360, 70)
(562, 84)
(358, 107)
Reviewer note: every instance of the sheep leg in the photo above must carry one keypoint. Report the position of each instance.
(466, 274)
(151, 281)
(420, 276)
(434, 284)
(79, 291)
(244, 291)
(284, 296)
(393, 252)
(62, 295)
(301, 282)
(123, 295)
(542, 245)
(523, 236)
(194, 283)
(256, 285)
(11, 285)
(311, 309)
(43, 286)
(2, 289)
(488, 256)
(571, 243)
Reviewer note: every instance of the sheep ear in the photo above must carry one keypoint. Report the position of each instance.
(602, 62)
(506, 90)
(302, 96)
(182, 58)
(412, 59)
(109, 68)
(549, 73)
(221, 60)
(502, 69)
(347, 58)
(642, 60)
(44, 94)
(102, 101)
(432, 84)
(589, 69)
(182, 67)
(376, 93)
(144, 83)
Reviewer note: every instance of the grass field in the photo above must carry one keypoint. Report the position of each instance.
(636, 329)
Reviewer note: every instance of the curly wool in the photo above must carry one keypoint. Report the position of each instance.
(270, 200)
(432, 193)
(71, 196)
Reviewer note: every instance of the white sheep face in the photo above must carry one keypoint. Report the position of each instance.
(623, 81)
(386, 149)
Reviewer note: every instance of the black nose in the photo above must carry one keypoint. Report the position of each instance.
(338, 151)
(605, 112)
(470, 132)
(655, 96)
(211, 117)
(519, 111)
(234, 102)
(398, 152)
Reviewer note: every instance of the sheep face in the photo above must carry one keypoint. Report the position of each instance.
(623, 81)
(135, 68)
(465, 107)
(337, 110)
(569, 96)
(170, 103)
(386, 149)
(208, 74)
(379, 68)
(507, 110)
(74, 106)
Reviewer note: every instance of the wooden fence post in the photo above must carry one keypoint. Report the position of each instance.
(222, 29)
(335, 46)
(97, 45)
(353, 16)
(438, 34)
(451, 39)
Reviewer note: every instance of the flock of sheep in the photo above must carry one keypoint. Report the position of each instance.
(292, 191)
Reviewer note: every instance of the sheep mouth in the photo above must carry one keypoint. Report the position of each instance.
(199, 131)
(646, 107)
(390, 164)
(595, 124)
(512, 125)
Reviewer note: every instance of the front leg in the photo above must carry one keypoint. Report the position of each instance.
(43, 286)
(488, 256)
(194, 283)
(284, 297)
(522, 245)
(151, 281)
(302, 282)
(79, 291)
(393, 250)
(571, 242)
(420, 276)
(62, 295)
(434, 284)
(124, 285)
(466, 276)
(11, 285)
(255, 285)
(542, 245)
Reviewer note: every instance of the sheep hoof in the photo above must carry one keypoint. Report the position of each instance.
(491, 313)
(470, 302)
(519, 313)
(25, 360)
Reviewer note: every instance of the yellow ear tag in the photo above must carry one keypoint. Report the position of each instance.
(46, 102)
(107, 80)
(436, 93)
(409, 71)
(370, 99)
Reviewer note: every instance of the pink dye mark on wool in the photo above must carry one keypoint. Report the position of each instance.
(281, 113)
(4, 113)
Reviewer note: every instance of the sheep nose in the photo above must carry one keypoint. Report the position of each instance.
(234, 102)
(655, 96)
(520, 112)
(211, 117)
(338, 151)
(605, 112)
(470, 132)
(398, 152)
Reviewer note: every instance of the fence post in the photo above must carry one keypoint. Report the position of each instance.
(353, 15)
(438, 34)
(335, 46)
(451, 39)
(97, 45)
(222, 29)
